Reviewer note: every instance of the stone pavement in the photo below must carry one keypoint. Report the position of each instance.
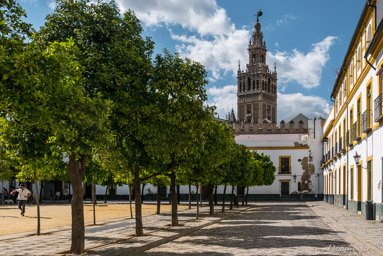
(281, 228)
(264, 228)
(365, 235)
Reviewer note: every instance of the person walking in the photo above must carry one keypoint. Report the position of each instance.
(22, 197)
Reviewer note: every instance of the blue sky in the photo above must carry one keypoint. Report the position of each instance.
(307, 40)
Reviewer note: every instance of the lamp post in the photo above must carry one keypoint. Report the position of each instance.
(356, 157)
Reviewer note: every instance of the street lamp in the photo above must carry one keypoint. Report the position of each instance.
(356, 157)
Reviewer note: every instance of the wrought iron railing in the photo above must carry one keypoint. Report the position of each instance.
(378, 108)
(355, 131)
(366, 121)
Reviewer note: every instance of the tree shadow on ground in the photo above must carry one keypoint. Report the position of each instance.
(251, 231)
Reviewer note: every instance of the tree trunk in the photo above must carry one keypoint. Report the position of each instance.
(196, 186)
(200, 198)
(174, 199)
(158, 199)
(137, 197)
(41, 191)
(37, 205)
(211, 199)
(130, 201)
(189, 196)
(94, 202)
(232, 197)
(76, 169)
(237, 199)
(247, 193)
(215, 195)
(243, 198)
(223, 198)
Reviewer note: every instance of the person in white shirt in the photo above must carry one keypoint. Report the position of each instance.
(22, 197)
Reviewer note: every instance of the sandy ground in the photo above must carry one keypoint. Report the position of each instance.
(58, 215)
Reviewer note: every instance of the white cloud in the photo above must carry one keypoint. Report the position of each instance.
(202, 16)
(218, 45)
(219, 55)
(290, 105)
(305, 69)
(52, 5)
(287, 18)
(224, 99)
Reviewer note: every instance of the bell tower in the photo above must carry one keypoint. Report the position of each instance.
(257, 85)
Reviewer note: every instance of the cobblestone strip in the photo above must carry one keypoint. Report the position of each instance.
(364, 236)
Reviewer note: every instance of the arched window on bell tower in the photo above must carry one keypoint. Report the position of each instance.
(257, 84)
(248, 84)
(262, 58)
(268, 85)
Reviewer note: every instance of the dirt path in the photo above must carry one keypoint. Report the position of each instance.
(52, 216)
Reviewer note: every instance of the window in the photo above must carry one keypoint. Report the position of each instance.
(351, 125)
(344, 134)
(335, 183)
(359, 114)
(344, 90)
(344, 180)
(368, 39)
(352, 183)
(369, 112)
(339, 181)
(369, 180)
(284, 165)
(248, 109)
(351, 77)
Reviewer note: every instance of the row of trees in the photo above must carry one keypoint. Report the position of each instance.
(83, 98)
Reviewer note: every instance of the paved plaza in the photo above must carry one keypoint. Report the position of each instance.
(264, 228)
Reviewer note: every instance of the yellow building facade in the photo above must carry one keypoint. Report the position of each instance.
(353, 131)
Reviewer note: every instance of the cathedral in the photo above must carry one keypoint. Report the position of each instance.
(293, 147)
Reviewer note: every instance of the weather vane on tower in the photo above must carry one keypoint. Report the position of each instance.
(259, 14)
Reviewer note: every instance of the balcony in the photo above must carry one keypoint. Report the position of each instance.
(366, 121)
(378, 108)
(355, 131)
